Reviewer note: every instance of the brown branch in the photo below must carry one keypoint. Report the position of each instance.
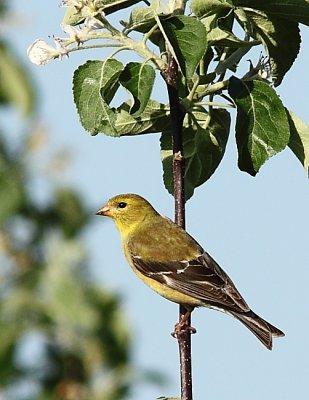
(177, 114)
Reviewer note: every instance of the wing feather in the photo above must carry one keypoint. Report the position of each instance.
(201, 278)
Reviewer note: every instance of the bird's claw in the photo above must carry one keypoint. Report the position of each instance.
(181, 327)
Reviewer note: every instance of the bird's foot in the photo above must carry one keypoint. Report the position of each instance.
(179, 329)
(182, 325)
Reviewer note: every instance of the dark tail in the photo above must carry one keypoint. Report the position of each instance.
(262, 329)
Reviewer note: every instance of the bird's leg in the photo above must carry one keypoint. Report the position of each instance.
(182, 325)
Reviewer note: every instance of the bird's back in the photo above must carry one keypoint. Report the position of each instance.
(160, 239)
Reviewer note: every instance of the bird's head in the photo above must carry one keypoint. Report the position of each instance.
(128, 211)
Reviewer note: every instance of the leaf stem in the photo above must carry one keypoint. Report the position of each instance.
(215, 88)
(169, 46)
(95, 46)
(193, 90)
(149, 33)
(117, 51)
(214, 104)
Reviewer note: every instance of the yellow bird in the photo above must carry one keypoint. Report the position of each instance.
(173, 264)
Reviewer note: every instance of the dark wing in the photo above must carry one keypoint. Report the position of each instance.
(201, 278)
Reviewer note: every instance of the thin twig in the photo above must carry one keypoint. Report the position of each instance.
(177, 114)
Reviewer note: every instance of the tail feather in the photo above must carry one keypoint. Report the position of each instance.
(262, 329)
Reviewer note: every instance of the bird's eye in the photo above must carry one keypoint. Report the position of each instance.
(122, 205)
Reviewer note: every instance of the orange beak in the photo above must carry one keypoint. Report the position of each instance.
(106, 211)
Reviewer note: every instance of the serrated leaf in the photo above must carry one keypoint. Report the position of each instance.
(204, 142)
(220, 37)
(299, 139)
(217, 36)
(155, 118)
(262, 128)
(138, 79)
(275, 33)
(15, 85)
(184, 34)
(94, 85)
(203, 8)
(293, 10)
(142, 19)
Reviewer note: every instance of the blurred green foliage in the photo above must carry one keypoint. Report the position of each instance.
(60, 336)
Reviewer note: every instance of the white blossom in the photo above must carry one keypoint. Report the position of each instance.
(80, 35)
(40, 52)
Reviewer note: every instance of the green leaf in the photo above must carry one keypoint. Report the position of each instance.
(138, 79)
(299, 139)
(75, 16)
(94, 85)
(293, 10)
(203, 8)
(15, 84)
(154, 118)
(275, 33)
(204, 141)
(142, 19)
(184, 34)
(218, 36)
(262, 128)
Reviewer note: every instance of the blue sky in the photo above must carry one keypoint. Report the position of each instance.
(256, 228)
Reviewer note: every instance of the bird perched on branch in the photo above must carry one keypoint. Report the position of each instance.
(173, 264)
